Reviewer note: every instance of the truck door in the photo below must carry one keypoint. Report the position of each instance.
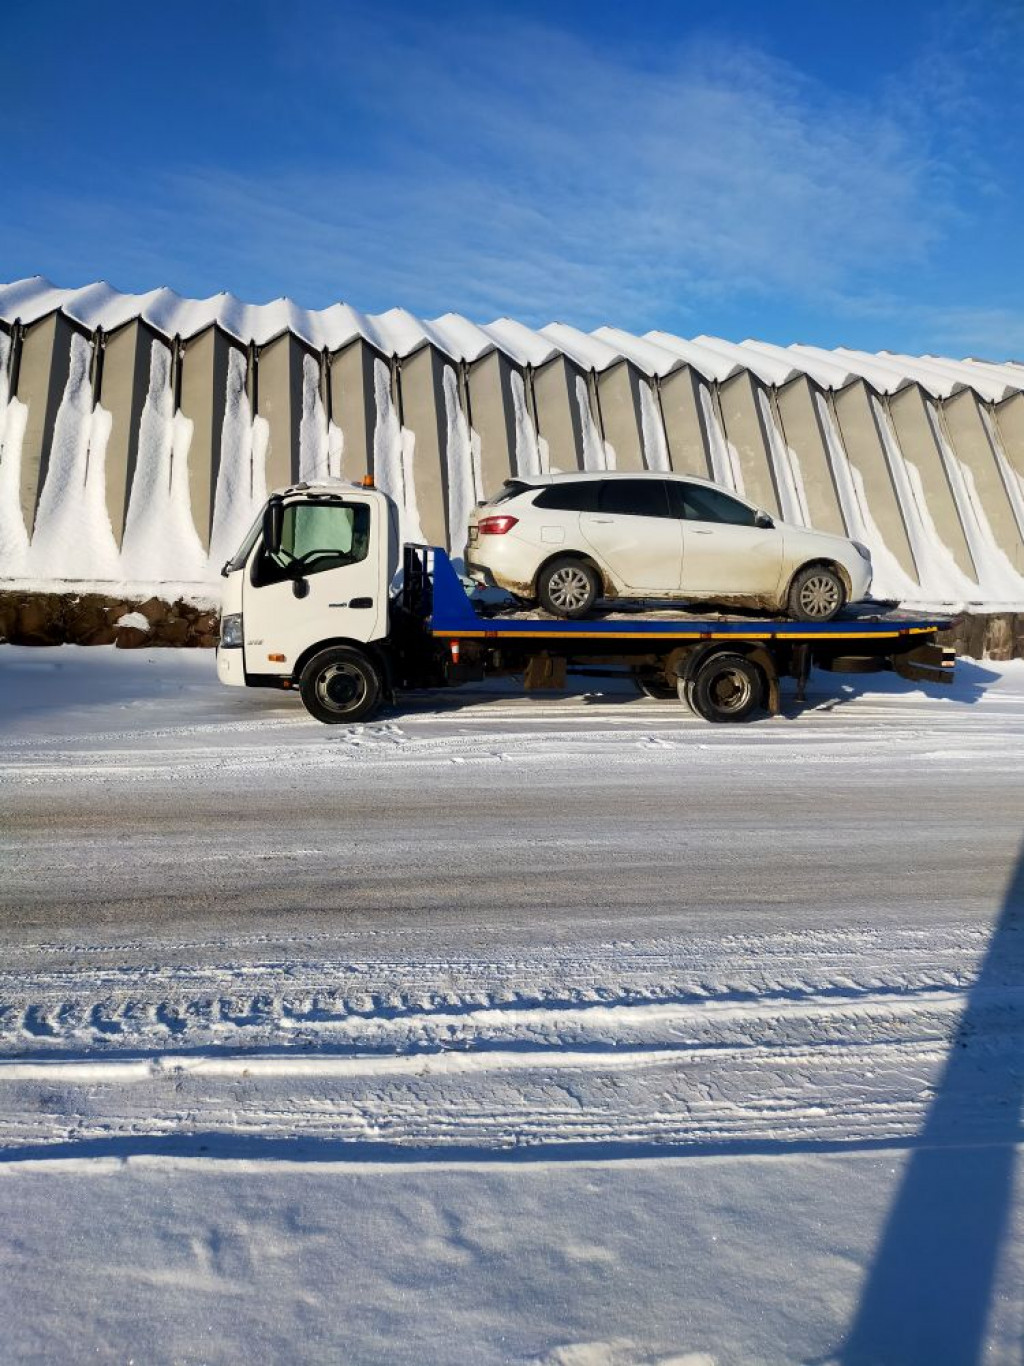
(328, 582)
(636, 535)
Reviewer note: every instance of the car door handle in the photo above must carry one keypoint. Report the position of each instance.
(361, 602)
(697, 532)
(604, 521)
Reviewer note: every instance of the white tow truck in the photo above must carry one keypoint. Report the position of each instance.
(309, 604)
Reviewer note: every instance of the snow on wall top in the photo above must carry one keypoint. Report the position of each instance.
(399, 333)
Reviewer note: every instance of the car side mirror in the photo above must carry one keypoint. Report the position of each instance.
(300, 587)
(764, 521)
(226, 569)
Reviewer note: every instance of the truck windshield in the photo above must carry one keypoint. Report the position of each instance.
(240, 556)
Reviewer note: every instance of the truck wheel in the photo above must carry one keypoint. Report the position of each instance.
(726, 688)
(568, 588)
(816, 594)
(340, 685)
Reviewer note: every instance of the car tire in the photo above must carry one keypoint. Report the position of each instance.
(817, 593)
(568, 587)
(726, 687)
(340, 685)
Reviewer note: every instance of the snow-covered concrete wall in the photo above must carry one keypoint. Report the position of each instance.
(139, 433)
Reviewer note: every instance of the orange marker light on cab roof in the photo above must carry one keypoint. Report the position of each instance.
(367, 481)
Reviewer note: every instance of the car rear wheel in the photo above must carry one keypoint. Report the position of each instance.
(340, 685)
(568, 588)
(817, 593)
(726, 688)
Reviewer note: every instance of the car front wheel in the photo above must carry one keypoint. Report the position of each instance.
(817, 593)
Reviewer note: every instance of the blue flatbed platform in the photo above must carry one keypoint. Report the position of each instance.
(453, 616)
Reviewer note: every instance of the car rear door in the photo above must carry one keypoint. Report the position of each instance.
(636, 535)
(725, 553)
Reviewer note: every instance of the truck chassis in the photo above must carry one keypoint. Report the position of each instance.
(723, 667)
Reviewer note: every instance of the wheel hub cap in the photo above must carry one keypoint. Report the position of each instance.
(819, 596)
(731, 690)
(569, 588)
(340, 687)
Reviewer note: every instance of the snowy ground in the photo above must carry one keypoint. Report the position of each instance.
(569, 1030)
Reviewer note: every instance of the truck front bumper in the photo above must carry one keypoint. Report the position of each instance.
(231, 667)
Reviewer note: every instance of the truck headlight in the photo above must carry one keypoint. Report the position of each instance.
(231, 632)
(862, 551)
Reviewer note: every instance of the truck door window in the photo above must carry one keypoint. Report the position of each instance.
(316, 537)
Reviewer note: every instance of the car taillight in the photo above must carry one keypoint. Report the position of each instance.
(496, 526)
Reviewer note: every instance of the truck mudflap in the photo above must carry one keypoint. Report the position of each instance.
(930, 663)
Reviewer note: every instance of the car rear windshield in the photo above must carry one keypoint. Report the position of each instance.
(511, 488)
(570, 497)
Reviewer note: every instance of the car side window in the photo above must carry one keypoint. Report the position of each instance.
(702, 504)
(635, 498)
(569, 497)
(316, 537)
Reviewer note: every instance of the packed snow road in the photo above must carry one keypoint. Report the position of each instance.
(494, 964)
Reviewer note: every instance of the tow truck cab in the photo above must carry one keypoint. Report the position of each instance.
(314, 570)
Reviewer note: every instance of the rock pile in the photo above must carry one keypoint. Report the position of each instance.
(96, 619)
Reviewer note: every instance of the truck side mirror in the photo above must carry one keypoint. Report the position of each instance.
(273, 524)
(764, 521)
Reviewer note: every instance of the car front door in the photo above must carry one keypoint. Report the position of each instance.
(725, 552)
(636, 535)
(333, 547)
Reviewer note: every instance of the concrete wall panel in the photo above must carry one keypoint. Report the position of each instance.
(279, 400)
(1009, 416)
(558, 412)
(966, 432)
(122, 391)
(744, 428)
(43, 373)
(492, 411)
(423, 412)
(919, 446)
(353, 408)
(865, 452)
(618, 397)
(203, 386)
(683, 417)
(801, 429)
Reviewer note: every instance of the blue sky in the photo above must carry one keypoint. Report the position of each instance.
(837, 174)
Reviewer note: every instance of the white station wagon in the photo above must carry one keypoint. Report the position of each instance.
(566, 540)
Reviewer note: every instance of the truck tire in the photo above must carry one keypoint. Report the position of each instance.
(817, 593)
(568, 587)
(340, 685)
(726, 688)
